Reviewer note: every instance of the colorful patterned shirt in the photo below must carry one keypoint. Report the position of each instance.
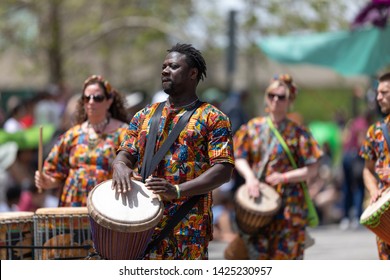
(82, 163)
(375, 149)
(205, 141)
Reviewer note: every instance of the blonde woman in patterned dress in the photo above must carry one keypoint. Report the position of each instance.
(83, 155)
(284, 237)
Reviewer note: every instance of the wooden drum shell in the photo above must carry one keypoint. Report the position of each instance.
(252, 214)
(376, 217)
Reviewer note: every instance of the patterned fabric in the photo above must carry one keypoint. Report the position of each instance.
(375, 149)
(383, 249)
(206, 141)
(284, 237)
(80, 164)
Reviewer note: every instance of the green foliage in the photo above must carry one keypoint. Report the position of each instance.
(126, 38)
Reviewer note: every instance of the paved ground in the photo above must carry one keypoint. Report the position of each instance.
(331, 243)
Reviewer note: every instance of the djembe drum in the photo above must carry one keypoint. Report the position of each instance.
(16, 235)
(62, 233)
(376, 217)
(254, 213)
(123, 223)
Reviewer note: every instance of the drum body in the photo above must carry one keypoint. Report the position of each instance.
(62, 233)
(122, 224)
(16, 235)
(376, 217)
(252, 214)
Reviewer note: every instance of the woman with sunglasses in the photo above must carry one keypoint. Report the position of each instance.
(260, 157)
(82, 156)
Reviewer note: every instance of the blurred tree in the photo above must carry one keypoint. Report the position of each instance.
(125, 40)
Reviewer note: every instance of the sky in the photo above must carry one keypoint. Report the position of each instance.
(197, 26)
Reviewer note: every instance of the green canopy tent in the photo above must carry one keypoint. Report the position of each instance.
(28, 138)
(363, 51)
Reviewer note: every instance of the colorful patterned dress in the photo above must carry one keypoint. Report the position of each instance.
(82, 163)
(205, 141)
(375, 149)
(284, 237)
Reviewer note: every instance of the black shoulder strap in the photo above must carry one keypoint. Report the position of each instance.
(152, 138)
(148, 164)
(386, 133)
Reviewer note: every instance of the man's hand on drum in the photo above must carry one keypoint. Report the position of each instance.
(161, 187)
(121, 177)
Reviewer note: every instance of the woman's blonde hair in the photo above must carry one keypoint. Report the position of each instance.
(286, 81)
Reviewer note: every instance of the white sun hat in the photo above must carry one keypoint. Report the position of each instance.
(8, 152)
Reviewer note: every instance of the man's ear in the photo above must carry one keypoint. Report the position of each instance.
(194, 73)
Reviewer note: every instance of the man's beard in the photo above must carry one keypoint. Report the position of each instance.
(168, 89)
(385, 110)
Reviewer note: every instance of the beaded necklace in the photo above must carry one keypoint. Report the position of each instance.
(98, 129)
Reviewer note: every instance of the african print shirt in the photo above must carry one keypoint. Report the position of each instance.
(82, 163)
(375, 149)
(256, 143)
(204, 142)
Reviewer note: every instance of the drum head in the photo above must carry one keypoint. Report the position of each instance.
(374, 211)
(135, 211)
(23, 215)
(269, 201)
(62, 211)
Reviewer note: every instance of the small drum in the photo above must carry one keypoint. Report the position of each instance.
(252, 214)
(62, 233)
(122, 224)
(376, 217)
(16, 235)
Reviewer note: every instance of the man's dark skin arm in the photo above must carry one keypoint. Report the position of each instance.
(206, 182)
(209, 180)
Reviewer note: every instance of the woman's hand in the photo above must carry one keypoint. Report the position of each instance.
(375, 195)
(276, 178)
(44, 181)
(253, 186)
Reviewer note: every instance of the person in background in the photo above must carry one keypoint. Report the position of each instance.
(16, 112)
(135, 101)
(31, 199)
(260, 157)
(353, 185)
(223, 208)
(200, 160)
(83, 155)
(376, 154)
(13, 194)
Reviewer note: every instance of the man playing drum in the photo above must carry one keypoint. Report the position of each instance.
(377, 155)
(200, 160)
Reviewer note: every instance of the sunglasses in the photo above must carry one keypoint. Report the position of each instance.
(271, 96)
(96, 98)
